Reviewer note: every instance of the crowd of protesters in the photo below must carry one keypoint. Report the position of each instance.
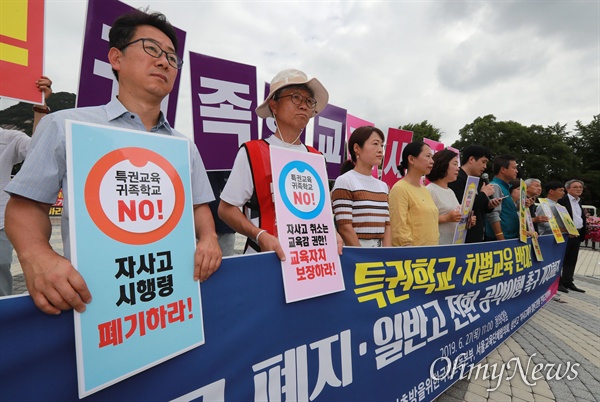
(421, 209)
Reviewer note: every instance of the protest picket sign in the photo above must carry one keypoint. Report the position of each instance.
(566, 219)
(521, 210)
(408, 317)
(56, 209)
(132, 239)
(534, 239)
(305, 225)
(460, 233)
(552, 220)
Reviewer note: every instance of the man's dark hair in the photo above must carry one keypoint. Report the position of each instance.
(124, 27)
(553, 185)
(502, 161)
(476, 151)
(441, 161)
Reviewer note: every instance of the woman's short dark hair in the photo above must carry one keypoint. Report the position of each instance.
(513, 186)
(359, 136)
(441, 161)
(124, 28)
(413, 149)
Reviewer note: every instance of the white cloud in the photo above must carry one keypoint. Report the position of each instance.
(391, 62)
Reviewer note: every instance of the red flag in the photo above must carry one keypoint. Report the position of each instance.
(21, 49)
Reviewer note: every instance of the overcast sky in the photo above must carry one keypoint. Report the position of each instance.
(392, 62)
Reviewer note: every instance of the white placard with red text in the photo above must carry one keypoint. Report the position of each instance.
(133, 241)
(305, 225)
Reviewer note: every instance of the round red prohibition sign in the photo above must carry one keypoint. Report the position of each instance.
(138, 157)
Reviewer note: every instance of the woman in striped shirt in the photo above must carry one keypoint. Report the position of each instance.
(360, 201)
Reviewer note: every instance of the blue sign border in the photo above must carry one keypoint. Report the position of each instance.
(301, 167)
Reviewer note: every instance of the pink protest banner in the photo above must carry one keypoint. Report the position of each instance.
(21, 49)
(396, 141)
(352, 123)
(434, 145)
(305, 225)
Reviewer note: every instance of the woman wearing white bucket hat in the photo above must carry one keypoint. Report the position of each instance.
(292, 101)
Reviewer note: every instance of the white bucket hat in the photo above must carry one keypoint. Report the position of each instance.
(294, 77)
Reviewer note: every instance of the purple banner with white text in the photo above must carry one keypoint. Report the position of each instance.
(411, 321)
(329, 137)
(224, 97)
(97, 83)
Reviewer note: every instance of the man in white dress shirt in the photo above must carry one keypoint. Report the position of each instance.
(572, 202)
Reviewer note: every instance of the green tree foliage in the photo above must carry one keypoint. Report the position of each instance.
(423, 130)
(586, 143)
(20, 116)
(546, 153)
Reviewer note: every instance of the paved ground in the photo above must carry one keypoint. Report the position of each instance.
(563, 333)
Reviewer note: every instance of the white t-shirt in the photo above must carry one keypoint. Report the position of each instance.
(240, 186)
(361, 201)
(445, 200)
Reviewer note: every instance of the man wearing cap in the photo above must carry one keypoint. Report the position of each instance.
(293, 100)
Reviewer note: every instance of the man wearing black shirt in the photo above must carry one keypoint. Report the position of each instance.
(473, 160)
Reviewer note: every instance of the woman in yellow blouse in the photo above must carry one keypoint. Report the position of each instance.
(413, 214)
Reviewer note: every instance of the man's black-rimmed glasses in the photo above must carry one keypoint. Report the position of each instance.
(153, 49)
